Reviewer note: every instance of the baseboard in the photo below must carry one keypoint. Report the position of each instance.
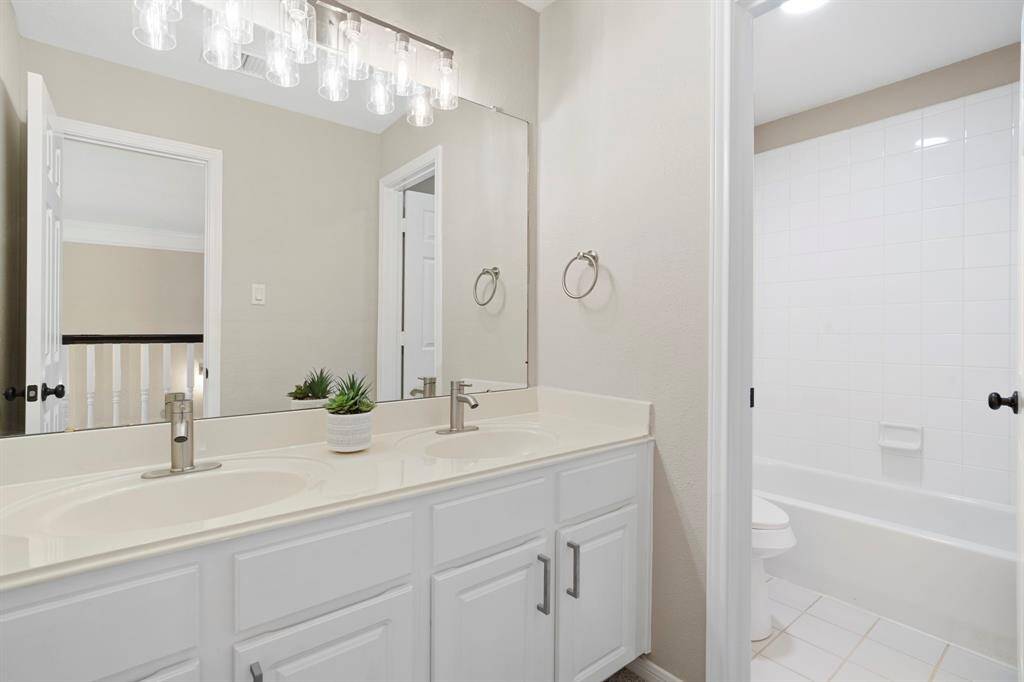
(652, 672)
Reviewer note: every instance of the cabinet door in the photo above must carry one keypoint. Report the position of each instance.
(488, 622)
(368, 642)
(597, 573)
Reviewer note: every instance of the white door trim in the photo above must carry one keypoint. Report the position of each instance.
(389, 270)
(213, 161)
(730, 462)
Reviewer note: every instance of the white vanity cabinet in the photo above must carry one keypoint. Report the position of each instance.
(467, 581)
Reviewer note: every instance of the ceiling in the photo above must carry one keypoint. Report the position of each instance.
(537, 5)
(851, 46)
(113, 186)
(103, 30)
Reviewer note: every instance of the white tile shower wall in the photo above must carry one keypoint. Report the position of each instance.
(885, 292)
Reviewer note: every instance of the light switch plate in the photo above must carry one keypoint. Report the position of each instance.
(259, 293)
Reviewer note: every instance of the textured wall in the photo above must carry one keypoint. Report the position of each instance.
(624, 169)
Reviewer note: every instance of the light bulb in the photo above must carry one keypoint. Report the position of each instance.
(298, 25)
(381, 100)
(238, 16)
(421, 114)
(333, 78)
(445, 95)
(281, 68)
(404, 67)
(219, 49)
(168, 9)
(151, 26)
(355, 60)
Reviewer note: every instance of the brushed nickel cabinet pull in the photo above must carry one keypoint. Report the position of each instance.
(545, 606)
(574, 591)
(256, 671)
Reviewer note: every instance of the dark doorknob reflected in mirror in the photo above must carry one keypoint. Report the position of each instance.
(57, 391)
(995, 401)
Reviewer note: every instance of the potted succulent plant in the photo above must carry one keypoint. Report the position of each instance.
(349, 422)
(314, 390)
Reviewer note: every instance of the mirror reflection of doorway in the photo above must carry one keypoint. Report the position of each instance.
(419, 263)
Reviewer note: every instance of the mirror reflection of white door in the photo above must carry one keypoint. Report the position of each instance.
(45, 357)
(418, 299)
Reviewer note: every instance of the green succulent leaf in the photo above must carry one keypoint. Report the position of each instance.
(316, 386)
(352, 396)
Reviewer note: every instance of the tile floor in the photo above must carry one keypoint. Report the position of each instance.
(816, 637)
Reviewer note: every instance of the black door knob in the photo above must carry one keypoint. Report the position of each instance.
(30, 393)
(57, 391)
(995, 401)
(10, 393)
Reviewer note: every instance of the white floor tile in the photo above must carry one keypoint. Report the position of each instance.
(823, 634)
(907, 640)
(973, 667)
(851, 672)
(889, 663)
(765, 670)
(791, 595)
(802, 657)
(946, 676)
(757, 647)
(782, 615)
(843, 615)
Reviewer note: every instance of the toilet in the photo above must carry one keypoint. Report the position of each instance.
(770, 537)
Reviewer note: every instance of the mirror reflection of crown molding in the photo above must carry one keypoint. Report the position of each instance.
(85, 232)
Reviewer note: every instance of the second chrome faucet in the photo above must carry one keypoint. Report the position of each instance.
(457, 414)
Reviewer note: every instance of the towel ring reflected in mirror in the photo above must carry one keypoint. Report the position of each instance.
(590, 256)
(494, 273)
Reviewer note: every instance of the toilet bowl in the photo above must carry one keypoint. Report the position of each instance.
(770, 537)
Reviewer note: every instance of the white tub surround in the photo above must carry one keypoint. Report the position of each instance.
(944, 565)
(426, 557)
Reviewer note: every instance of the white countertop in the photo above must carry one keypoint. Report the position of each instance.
(395, 466)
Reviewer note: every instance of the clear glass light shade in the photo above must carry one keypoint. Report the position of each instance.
(298, 25)
(421, 114)
(281, 68)
(151, 27)
(355, 49)
(169, 9)
(445, 95)
(219, 49)
(381, 99)
(333, 77)
(403, 66)
(238, 15)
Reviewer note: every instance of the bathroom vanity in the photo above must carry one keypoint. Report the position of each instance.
(521, 551)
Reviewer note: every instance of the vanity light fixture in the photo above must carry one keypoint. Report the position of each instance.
(154, 22)
(238, 15)
(421, 114)
(332, 74)
(355, 50)
(381, 99)
(801, 6)
(404, 67)
(445, 95)
(219, 49)
(298, 25)
(281, 68)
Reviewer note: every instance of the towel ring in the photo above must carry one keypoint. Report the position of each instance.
(591, 257)
(494, 273)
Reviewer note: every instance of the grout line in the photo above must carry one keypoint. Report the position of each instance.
(856, 646)
(938, 663)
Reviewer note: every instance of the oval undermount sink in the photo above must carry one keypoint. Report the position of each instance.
(127, 503)
(487, 443)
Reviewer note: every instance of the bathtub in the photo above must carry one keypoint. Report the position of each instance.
(942, 564)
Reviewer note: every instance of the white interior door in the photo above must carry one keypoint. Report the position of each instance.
(1019, 367)
(45, 359)
(419, 295)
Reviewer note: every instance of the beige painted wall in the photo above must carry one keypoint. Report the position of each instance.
(484, 215)
(12, 221)
(623, 169)
(298, 248)
(983, 72)
(125, 290)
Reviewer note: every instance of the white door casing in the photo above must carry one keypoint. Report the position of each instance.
(45, 359)
(485, 620)
(419, 338)
(1019, 372)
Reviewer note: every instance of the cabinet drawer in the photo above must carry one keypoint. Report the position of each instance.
(281, 579)
(104, 631)
(595, 486)
(371, 641)
(476, 522)
(183, 672)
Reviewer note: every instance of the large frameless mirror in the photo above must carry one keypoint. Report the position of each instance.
(209, 202)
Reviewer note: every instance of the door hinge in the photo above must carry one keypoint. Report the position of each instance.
(751, 396)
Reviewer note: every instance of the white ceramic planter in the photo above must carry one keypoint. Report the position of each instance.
(349, 432)
(307, 404)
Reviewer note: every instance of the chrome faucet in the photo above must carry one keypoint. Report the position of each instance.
(457, 414)
(429, 389)
(178, 411)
